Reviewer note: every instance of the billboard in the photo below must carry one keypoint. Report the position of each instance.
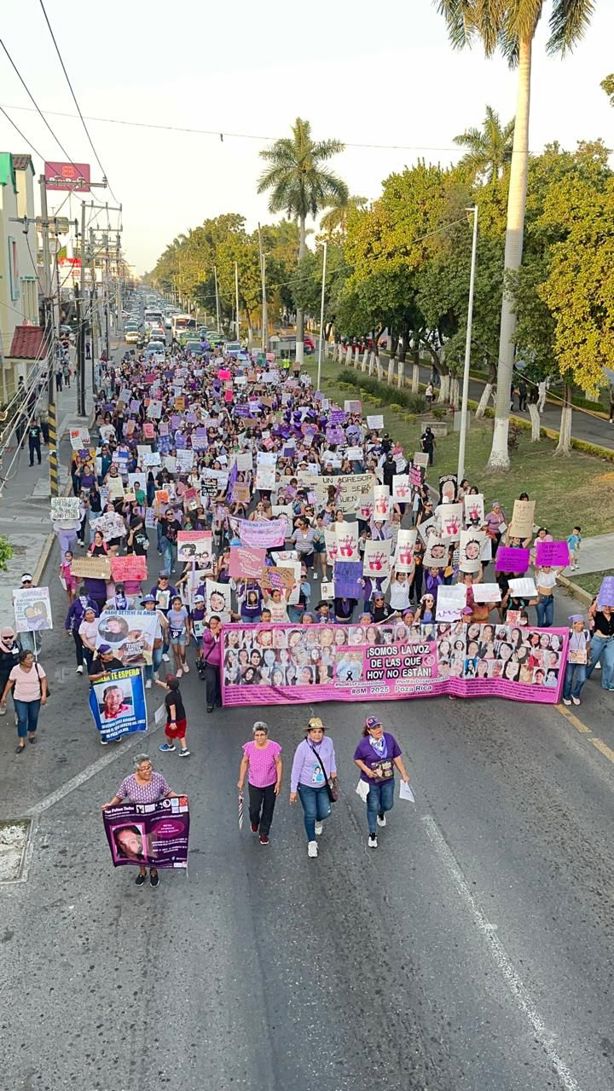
(68, 176)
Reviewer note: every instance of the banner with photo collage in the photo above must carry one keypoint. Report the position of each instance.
(278, 664)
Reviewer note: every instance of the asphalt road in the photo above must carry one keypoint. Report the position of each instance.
(472, 950)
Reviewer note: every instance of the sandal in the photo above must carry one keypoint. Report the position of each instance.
(20, 749)
(32, 738)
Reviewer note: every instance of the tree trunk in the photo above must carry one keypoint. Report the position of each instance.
(563, 447)
(300, 317)
(535, 422)
(516, 201)
(484, 400)
(454, 394)
(415, 378)
(444, 388)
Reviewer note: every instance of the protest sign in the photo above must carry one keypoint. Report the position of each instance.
(401, 488)
(347, 541)
(523, 588)
(117, 703)
(152, 834)
(451, 601)
(131, 634)
(218, 600)
(404, 560)
(605, 595)
(261, 533)
(470, 549)
(150, 518)
(32, 609)
(555, 554)
(161, 497)
(246, 562)
(474, 510)
(278, 578)
(487, 592)
(450, 518)
(111, 525)
(376, 421)
(511, 560)
(330, 541)
(523, 517)
(447, 488)
(115, 488)
(65, 508)
(416, 476)
(92, 568)
(129, 568)
(352, 406)
(376, 558)
(354, 454)
(79, 438)
(265, 478)
(327, 590)
(245, 461)
(391, 661)
(347, 578)
(185, 460)
(382, 504)
(195, 545)
(436, 555)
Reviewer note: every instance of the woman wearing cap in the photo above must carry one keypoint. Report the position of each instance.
(142, 786)
(313, 766)
(376, 756)
(261, 763)
(176, 719)
(29, 684)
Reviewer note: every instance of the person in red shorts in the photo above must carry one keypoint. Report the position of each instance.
(176, 721)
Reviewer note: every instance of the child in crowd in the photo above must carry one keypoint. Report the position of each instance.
(176, 721)
(574, 541)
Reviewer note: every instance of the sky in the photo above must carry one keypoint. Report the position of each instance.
(366, 74)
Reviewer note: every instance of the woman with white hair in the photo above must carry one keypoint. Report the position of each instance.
(262, 765)
(142, 786)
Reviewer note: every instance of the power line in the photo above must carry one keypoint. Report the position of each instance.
(74, 97)
(22, 135)
(34, 102)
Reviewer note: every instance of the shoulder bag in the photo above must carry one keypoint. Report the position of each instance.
(332, 783)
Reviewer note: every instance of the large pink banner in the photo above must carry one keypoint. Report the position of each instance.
(279, 664)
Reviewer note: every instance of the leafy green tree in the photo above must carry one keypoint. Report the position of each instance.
(607, 85)
(489, 149)
(301, 186)
(333, 224)
(510, 25)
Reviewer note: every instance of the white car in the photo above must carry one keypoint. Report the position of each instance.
(156, 352)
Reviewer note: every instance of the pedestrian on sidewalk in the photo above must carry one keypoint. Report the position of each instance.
(44, 423)
(376, 756)
(313, 767)
(29, 684)
(176, 719)
(34, 442)
(542, 391)
(573, 542)
(142, 786)
(577, 658)
(429, 394)
(212, 660)
(262, 765)
(602, 646)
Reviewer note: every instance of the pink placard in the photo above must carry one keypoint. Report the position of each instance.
(246, 562)
(512, 560)
(555, 554)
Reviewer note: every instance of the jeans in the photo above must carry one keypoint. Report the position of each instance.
(545, 611)
(601, 646)
(169, 554)
(316, 807)
(27, 716)
(35, 449)
(379, 800)
(212, 685)
(78, 648)
(153, 667)
(575, 677)
(261, 806)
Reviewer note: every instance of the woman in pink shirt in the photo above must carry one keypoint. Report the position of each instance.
(261, 763)
(29, 684)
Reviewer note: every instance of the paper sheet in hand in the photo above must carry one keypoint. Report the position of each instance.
(405, 792)
(362, 789)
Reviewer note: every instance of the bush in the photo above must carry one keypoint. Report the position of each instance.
(386, 395)
(6, 552)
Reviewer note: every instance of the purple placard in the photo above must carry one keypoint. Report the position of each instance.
(512, 560)
(152, 833)
(555, 554)
(338, 416)
(347, 576)
(605, 596)
(175, 421)
(135, 406)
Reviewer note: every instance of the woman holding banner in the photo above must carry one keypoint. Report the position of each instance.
(142, 786)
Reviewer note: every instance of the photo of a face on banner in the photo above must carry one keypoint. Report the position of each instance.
(447, 488)
(470, 550)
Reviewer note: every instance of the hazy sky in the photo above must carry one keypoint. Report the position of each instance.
(369, 74)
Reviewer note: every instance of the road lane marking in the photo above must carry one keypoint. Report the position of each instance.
(500, 956)
(574, 720)
(603, 748)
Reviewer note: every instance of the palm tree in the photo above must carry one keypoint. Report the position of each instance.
(607, 85)
(489, 149)
(334, 222)
(300, 187)
(510, 25)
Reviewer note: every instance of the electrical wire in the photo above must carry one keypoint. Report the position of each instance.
(34, 102)
(74, 97)
(22, 135)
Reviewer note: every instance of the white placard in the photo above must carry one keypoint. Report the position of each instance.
(486, 592)
(451, 601)
(375, 422)
(32, 608)
(523, 588)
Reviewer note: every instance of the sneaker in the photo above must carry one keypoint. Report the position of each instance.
(381, 819)
(167, 747)
(312, 849)
(566, 700)
(154, 878)
(264, 838)
(165, 658)
(372, 840)
(576, 700)
(319, 829)
(183, 753)
(186, 669)
(140, 879)
(104, 742)
(148, 684)
(254, 826)
(80, 669)
(178, 673)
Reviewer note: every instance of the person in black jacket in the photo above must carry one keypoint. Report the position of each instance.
(74, 617)
(10, 650)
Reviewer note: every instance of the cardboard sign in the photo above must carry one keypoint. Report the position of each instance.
(401, 488)
(130, 568)
(276, 579)
(471, 542)
(437, 552)
(523, 518)
(195, 545)
(555, 554)
(473, 507)
(404, 560)
(375, 422)
(93, 568)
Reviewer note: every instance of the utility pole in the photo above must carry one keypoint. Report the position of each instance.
(321, 338)
(265, 315)
(54, 487)
(81, 311)
(238, 325)
(463, 428)
(217, 302)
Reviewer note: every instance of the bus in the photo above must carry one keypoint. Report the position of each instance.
(181, 323)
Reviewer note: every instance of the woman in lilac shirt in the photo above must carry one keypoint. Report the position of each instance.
(313, 766)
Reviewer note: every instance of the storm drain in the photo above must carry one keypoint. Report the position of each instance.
(14, 839)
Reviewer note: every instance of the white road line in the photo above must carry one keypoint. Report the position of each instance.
(500, 956)
(89, 772)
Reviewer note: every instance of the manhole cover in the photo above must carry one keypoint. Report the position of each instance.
(14, 837)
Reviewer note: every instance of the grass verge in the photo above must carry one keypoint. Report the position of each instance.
(591, 581)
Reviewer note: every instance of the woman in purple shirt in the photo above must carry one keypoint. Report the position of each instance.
(313, 766)
(376, 756)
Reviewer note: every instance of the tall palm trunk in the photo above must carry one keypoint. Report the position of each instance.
(516, 201)
(300, 318)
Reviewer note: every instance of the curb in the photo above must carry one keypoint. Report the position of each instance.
(575, 590)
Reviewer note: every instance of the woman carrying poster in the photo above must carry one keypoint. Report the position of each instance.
(142, 786)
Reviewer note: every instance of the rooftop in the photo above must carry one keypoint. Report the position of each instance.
(27, 343)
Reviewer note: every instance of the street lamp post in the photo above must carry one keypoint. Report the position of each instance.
(463, 428)
(321, 338)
